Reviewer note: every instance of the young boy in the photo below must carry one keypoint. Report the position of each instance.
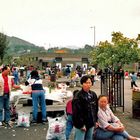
(69, 123)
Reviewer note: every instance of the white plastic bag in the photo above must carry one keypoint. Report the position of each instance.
(26, 89)
(56, 128)
(23, 119)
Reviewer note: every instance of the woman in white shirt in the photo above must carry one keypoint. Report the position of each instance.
(38, 96)
(110, 126)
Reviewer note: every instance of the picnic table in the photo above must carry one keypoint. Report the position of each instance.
(57, 96)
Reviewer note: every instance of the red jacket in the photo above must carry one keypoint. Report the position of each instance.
(69, 107)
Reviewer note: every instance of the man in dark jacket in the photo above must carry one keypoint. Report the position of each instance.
(85, 107)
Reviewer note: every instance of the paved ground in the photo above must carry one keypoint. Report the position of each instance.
(39, 131)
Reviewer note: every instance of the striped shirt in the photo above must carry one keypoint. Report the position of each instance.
(105, 116)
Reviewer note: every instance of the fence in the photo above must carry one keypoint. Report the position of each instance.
(112, 85)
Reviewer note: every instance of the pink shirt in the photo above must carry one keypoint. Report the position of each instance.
(69, 107)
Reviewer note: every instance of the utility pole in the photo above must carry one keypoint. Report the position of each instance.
(93, 27)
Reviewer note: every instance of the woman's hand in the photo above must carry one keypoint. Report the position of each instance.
(84, 128)
(96, 125)
(120, 128)
(120, 124)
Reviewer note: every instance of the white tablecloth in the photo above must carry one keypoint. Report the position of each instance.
(55, 95)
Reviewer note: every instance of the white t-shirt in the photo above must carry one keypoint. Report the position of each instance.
(34, 81)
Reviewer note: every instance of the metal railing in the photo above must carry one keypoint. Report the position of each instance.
(112, 85)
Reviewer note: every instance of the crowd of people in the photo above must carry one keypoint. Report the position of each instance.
(89, 115)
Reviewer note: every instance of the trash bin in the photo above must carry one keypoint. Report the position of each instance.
(136, 104)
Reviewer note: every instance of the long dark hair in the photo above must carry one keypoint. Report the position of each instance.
(35, 75)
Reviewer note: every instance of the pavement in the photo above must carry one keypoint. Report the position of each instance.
(38, 132)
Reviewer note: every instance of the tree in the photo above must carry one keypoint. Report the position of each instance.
(102, 55)
(7, 59)
(3, 45)
(138, 37)
(120, 51)
(127, 50)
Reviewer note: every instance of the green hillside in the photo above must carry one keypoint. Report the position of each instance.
(17, 46)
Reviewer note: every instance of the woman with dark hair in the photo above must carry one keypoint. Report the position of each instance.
(84, 108)
(38, 96)
(110, 127)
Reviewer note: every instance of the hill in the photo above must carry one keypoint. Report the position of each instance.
(17, 46)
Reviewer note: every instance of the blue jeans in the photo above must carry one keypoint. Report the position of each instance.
(118, 137)
(82, 135)
(4, 105)
(69, 126)
(16, 80)
(102, 134)
(38, 98)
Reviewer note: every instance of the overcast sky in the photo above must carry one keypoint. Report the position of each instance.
(52, 23)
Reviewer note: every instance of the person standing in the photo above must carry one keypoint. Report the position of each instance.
(68, 71)
(38, 96)
(6, 84)
(85, 108)
(126, 74)
(92, 73)
(133, 80)
(16, 77)
(69, 123)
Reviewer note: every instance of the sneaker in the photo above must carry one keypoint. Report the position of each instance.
(8, 124)
(33, 122)
(44, 122)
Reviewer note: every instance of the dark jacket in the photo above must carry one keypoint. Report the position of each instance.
(85, 108)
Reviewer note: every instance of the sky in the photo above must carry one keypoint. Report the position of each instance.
(67, 23)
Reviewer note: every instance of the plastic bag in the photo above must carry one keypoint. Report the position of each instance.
(56, 128)
(23, 120)
(26, 89)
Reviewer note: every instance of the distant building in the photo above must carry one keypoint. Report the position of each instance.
(59, 58)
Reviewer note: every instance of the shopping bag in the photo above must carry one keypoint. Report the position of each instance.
(56, 128)
(23, 119)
